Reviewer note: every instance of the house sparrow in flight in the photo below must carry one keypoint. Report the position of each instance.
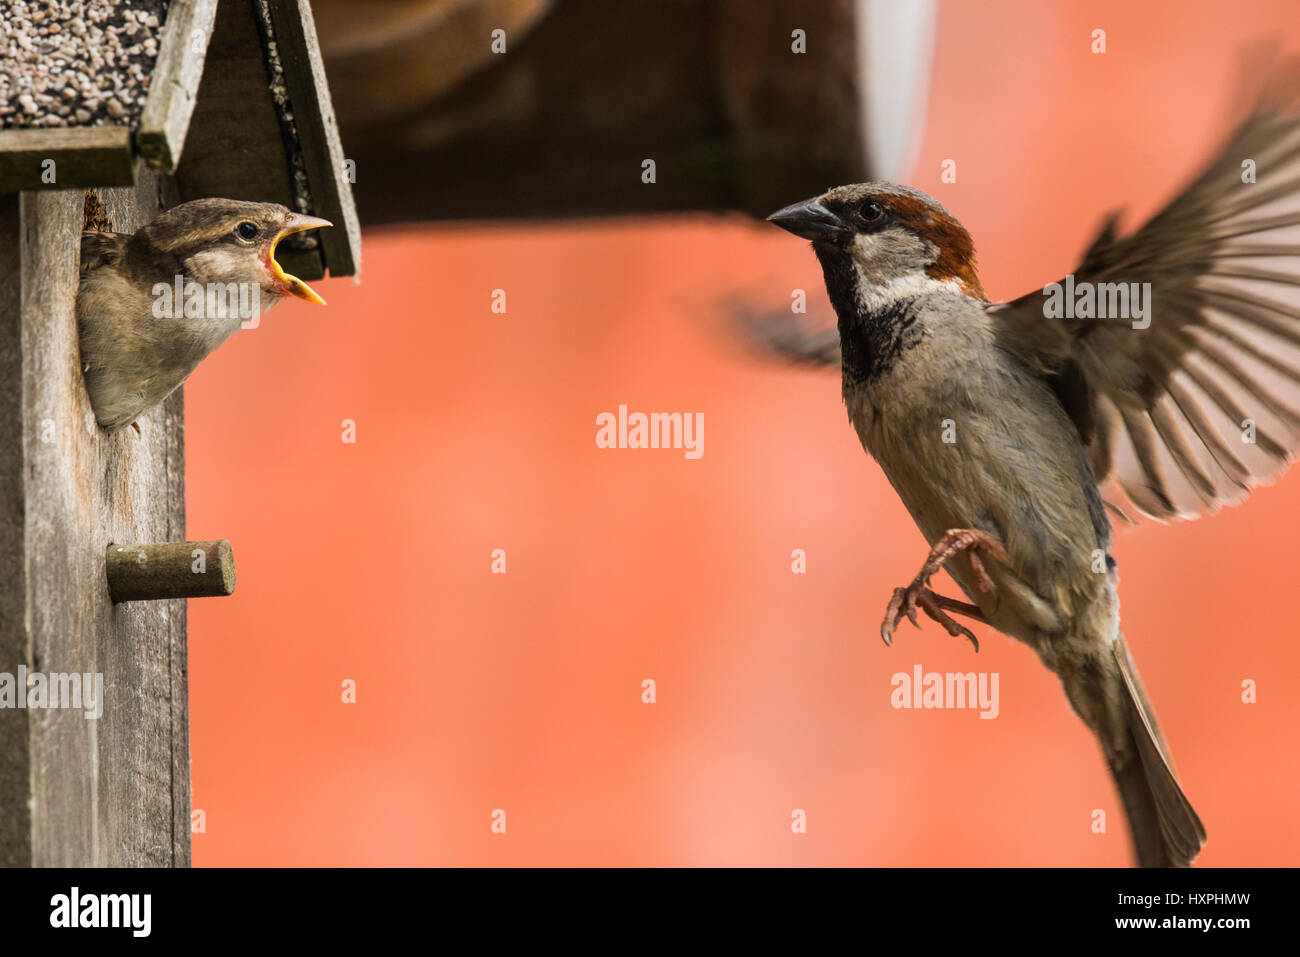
(152, 305)
(1008, 430)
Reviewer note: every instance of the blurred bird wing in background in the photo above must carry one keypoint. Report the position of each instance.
(769, 332)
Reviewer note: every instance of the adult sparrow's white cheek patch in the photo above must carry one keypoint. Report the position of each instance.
(864, 243)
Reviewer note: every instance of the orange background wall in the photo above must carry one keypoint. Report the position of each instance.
(522, 691)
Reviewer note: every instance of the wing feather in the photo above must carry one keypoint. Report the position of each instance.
(1192, 411)
(101, 249)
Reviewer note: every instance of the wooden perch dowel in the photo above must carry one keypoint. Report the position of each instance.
(170, 570)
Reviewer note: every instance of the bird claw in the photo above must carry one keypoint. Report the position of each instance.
(891, 615)
(931, 603)
(905, 601)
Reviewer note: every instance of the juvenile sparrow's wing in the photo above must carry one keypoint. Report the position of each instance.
(1203, 403)
(101, 249)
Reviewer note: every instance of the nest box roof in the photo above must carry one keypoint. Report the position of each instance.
(228, 96)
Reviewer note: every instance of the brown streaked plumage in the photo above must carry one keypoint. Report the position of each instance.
(139, 340)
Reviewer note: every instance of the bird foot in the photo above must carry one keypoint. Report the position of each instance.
(905, 601)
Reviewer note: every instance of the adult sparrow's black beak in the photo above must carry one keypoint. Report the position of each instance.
(809, 220)
(296, 223)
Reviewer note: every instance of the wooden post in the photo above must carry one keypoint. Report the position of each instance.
(112, 790)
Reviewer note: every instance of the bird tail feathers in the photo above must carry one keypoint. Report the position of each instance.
(1166, 830)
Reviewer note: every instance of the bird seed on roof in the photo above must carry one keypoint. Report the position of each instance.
(66, 63)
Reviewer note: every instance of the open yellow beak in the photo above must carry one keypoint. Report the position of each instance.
(296, 224)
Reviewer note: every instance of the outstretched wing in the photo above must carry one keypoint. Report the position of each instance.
(1194, 409)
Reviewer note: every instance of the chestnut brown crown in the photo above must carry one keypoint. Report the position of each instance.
(846, 215)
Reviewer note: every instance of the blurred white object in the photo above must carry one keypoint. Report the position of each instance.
(895, 41)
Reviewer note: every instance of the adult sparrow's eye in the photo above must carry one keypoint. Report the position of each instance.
(870, 212)
(247, 231)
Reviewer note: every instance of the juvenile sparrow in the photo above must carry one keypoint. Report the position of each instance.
(1008, 429)
(152, 305)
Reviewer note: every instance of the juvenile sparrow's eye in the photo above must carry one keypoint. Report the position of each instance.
(246, 231)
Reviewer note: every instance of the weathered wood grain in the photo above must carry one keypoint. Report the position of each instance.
(88, 156)
(234, 148)
(237, 147)
(112, 791)
(160, 136)
(15, 728)
(318, 134)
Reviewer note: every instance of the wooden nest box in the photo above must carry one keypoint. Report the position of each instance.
(130, 107)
